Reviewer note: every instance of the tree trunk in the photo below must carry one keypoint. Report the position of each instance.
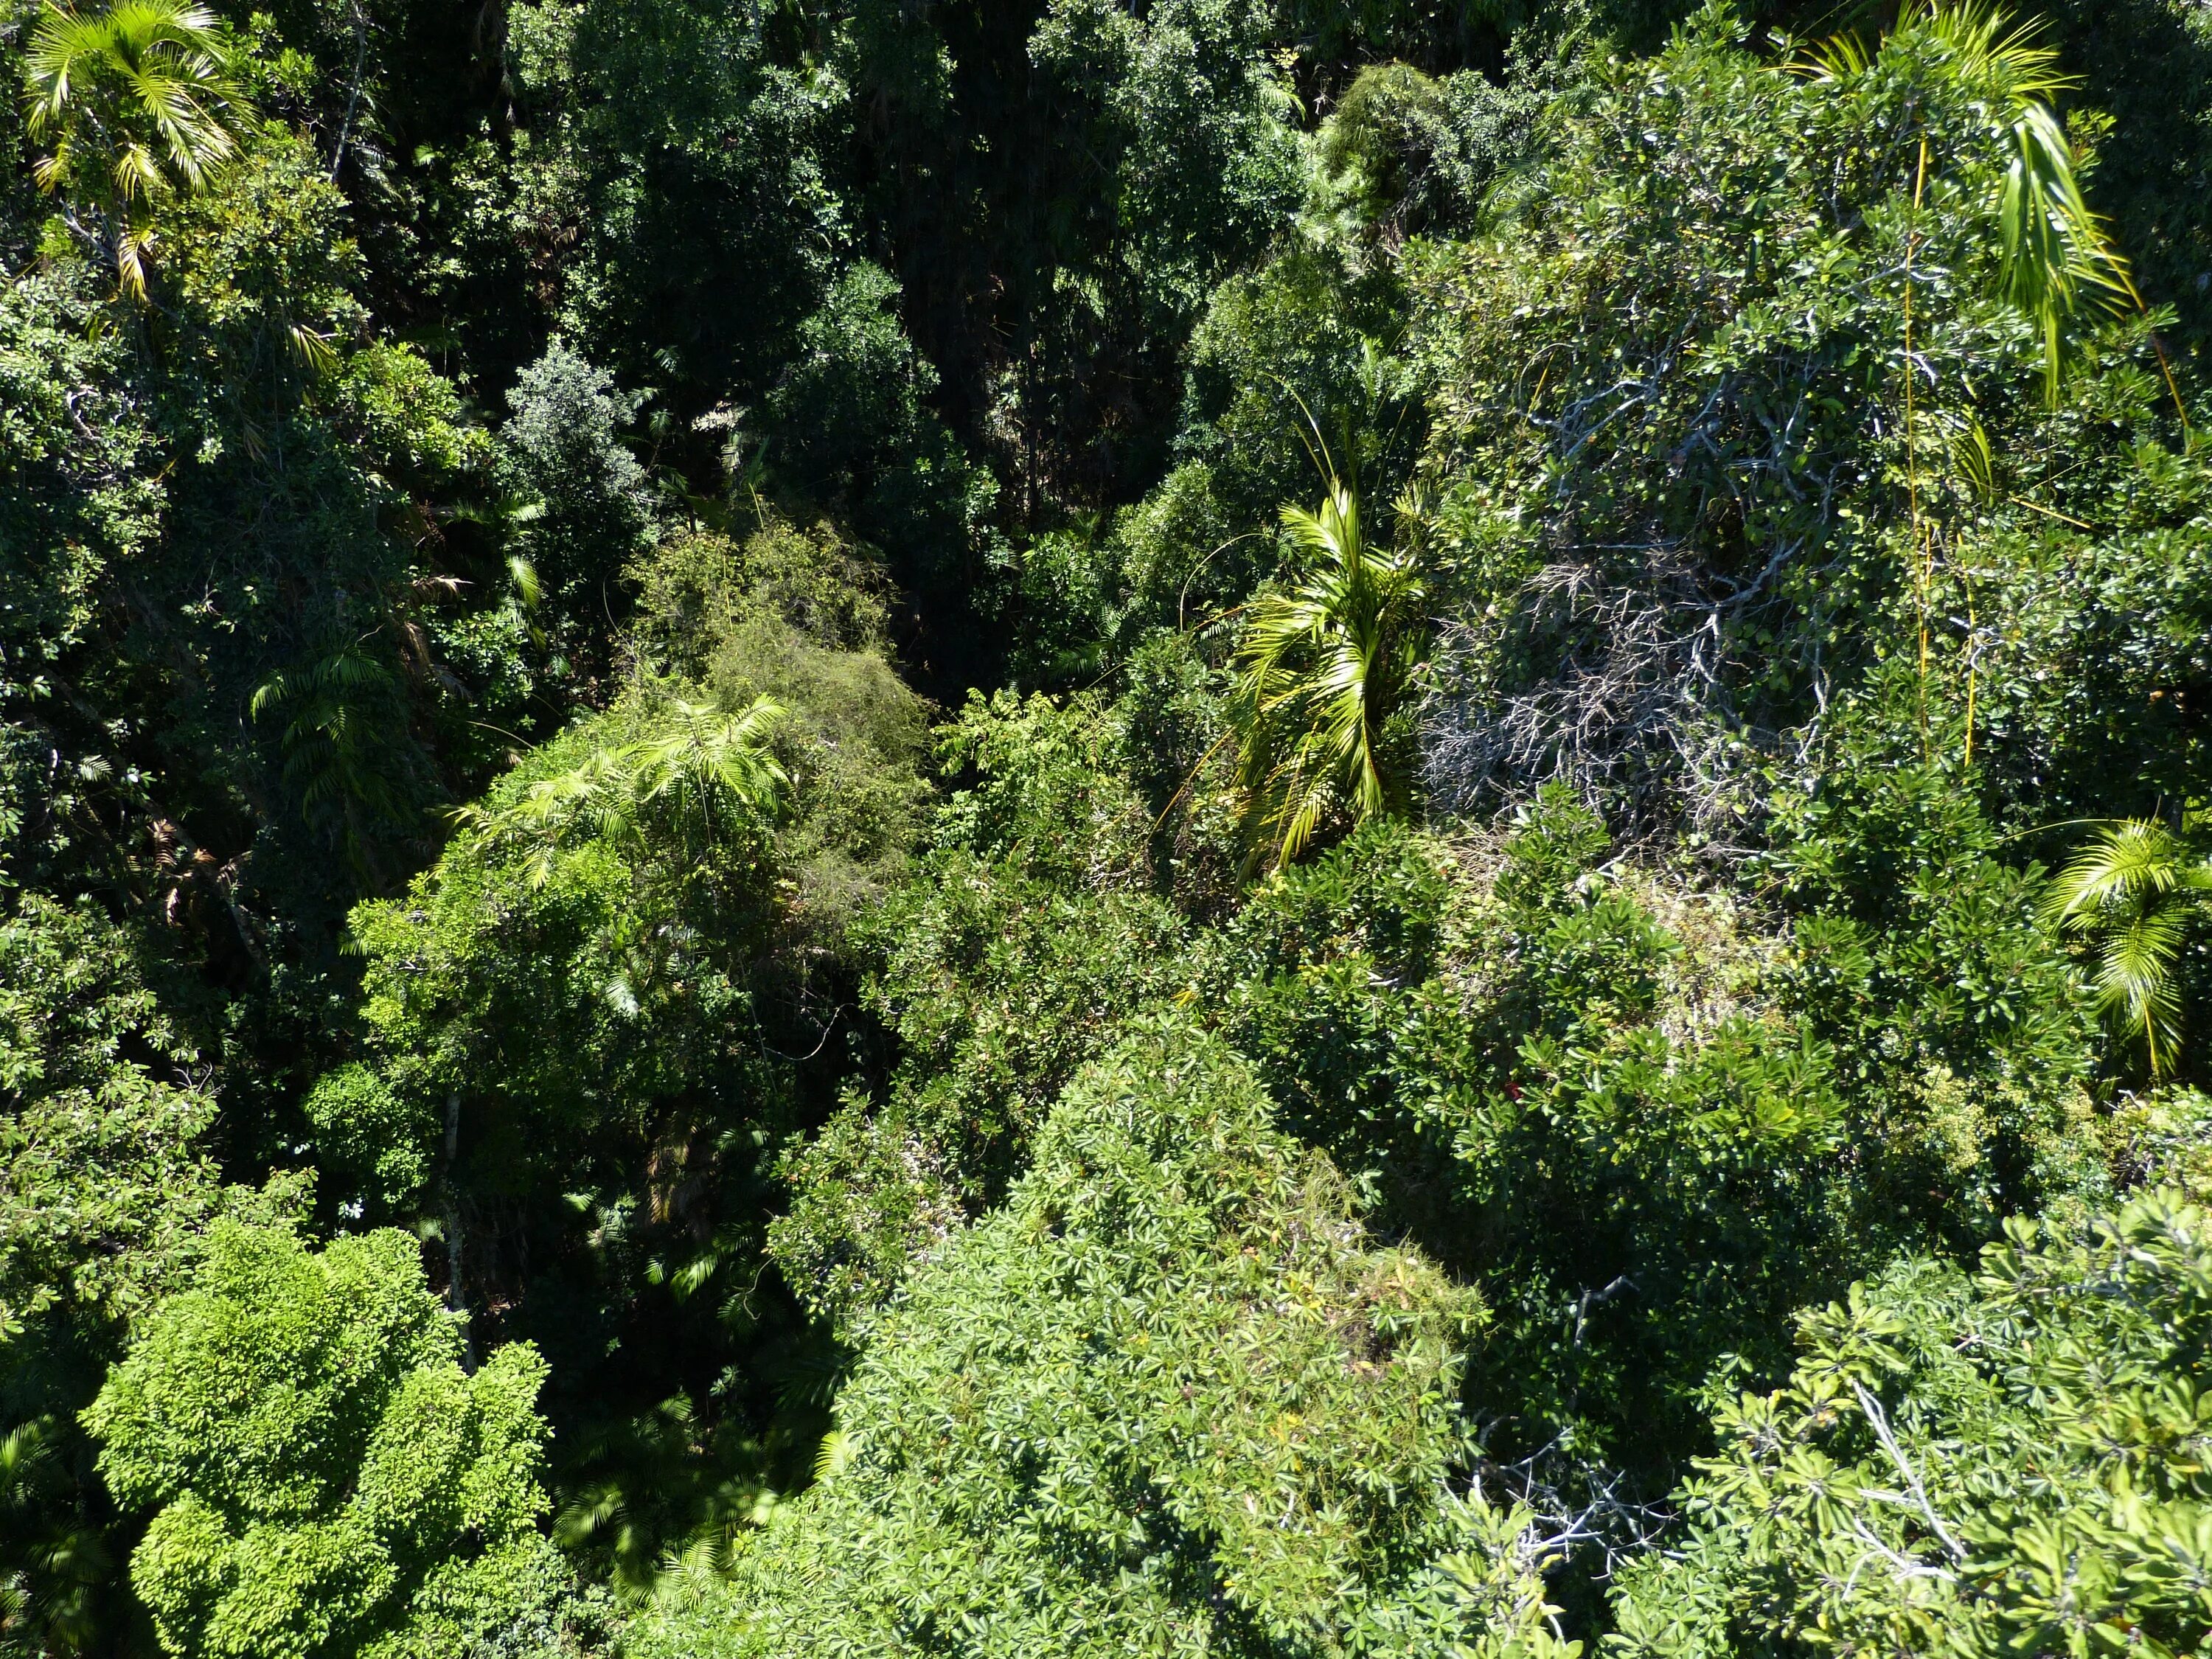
(455, 1298)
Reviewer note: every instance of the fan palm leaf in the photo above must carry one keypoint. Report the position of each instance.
(710, 761)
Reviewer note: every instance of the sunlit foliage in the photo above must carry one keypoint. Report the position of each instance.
(1233, 826)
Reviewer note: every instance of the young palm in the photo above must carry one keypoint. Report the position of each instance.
(1321, 668)
(693, 781)
(137, 103)
(2054, 255)
(710, 768)
(2135, 886)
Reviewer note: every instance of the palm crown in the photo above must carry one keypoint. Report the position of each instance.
(2136, 885)
(136, 102)
(1323, 665)
(2054, 255)
(699, 773)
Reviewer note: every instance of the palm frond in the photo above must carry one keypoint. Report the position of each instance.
(136, 104)
(1319, 669)
(2135, 858)
(696, 779)
(1976, 460)
(710, 762)
(2135, 887)
(2055, 256)
(2134, 982)
(2011, 56)
(1838, 58)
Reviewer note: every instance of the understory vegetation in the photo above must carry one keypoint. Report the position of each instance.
(1099, 827)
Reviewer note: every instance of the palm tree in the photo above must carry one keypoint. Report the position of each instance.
(1323, 666)
(2055, 254)
(56, 1574)
(138, 103)
(344, 708)
(694, 781)
(2136, 885)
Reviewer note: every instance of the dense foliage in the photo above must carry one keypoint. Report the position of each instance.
(1096, 826)
(2032, 1484)
(325, 1474)
(1166, 1397)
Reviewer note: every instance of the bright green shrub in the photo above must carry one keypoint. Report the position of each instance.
(798, 615)
(1017, 951)
(1041, 784)
(687, 158)
(105, 1182)
(1169, 1398)
(624, 960)
(577, 1046)
(375, 1140)
(852, 426)
(1649, 1122)
(2091, 635)
(108, 1184)
(588, 1028)
(1308, 327)
(694, 591)
(1073, 604)
(873, 1194)
(1967, 1040)
(328, 1477)
(1406, 152)
(997, 985)
(1603, 1120)
(1317, 972)
(2002, 1462)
